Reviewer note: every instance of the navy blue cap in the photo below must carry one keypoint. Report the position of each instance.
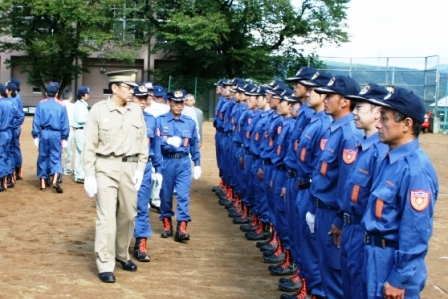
(220, 82)
(286, 94)
(2, 88)
(275, 90)
(305, 73)
(406, 102)
(342, 85)
(84, 90)
(235, 81)
(372, 93)
(273, 83)
(319, 79)
(11, 86)
(291, 98)
(250, 89)
(159, 91)
(141, 90)
(177, 95)
(260, 91)
(15, 81)
(52, 87)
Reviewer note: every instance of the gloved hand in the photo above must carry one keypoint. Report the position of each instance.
(64, 143)
(153, 170)
(310, 221)
(36, 141)
(197, 171)
(158, 178)
(174, 141)
(137, 180)
(90, 186)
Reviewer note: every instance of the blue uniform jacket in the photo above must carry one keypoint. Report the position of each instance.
(357, 188)
(183, 127)
(154, 149)
(284, 132)
(51, 114)
(401, 207)
(217, 108)
(247, 120)
(338, 156)
(221, 114)
(19, 116)
(270, 135)
(255, 132)
(11, 118)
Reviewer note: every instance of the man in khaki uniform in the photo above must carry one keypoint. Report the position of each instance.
(115, 155)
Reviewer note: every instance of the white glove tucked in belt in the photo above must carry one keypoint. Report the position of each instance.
(174, 141)
(36, 141)
(310, 221)
(137, 180)
(90, 186)
(64, 143)
(197, 171)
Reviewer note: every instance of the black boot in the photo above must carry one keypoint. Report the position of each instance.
(277, 257)
(167, 227)
(181, 232)
(245, 218)
(262, 233)
(285, 268)
(18, 171)
(140, 250)
(273, 238)
(9, 181)
(56, 183)
(252, 226)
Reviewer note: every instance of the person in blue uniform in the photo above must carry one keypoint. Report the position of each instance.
(399, 216)
(221, 99)
(13, 91)
(329, 178)
(50, 133)
(142, 229)
(307, 151)
(178, 137)
(357, 188)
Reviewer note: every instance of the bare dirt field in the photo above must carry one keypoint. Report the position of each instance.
(46, 242)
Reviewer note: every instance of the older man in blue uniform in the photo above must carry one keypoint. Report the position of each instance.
(329, 177)
(399, 215)
(50, 133)
(179, 139)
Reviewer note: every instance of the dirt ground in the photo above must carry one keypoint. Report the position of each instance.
(47, 242)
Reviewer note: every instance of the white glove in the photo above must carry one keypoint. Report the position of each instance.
(197, 171)
(90, 186)
(310, 221)
(137, 180)
(174, 141)
(36, 141)
(158, 178)
(153, 170)
(64, 143)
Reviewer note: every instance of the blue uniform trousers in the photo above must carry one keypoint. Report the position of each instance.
(259, 193)
(245, 181)
(307, 245)
(218, 151)
(176, 174)
(278, 179)
(291, 218)
(352, 259)
(267, 175)
(16, 151)
(378, 264)
(50, 154)
(142, 227)
(225, 157)
(5, 141)
(329, 255)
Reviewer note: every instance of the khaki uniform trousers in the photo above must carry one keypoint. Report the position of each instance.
(116, 205)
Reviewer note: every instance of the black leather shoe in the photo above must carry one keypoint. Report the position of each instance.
(107, 277)
(128, 266)
(281, 271)
(291, 286)
(274, 258)
(58, 188)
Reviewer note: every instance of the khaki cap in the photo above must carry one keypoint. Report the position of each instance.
(126, 76)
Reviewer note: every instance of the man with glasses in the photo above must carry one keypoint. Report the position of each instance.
(115, 156)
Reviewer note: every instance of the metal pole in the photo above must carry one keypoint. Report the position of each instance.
(436, 94)
(387, 71)
(350, 72)
(195, 86)
(425, 79)
(169, 83)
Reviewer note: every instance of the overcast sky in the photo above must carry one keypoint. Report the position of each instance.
(398, 28)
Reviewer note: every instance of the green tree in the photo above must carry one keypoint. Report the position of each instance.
(55, 35)
(247, 38)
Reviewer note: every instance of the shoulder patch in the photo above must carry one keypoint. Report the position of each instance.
(420, 199)
(323, 143)
(349, 155)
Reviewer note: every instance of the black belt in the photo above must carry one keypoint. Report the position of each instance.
(303, 184)
(351, 219)
(292, 174)
(175, 156)
(280, 167)
(239, 144)
(255, 157)
(45, 129)
(320, 204)
(378, 241)
(267, 162)
(133, 158)
(79, 128)
(226, 134)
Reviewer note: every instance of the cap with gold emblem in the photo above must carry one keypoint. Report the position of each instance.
(177, 95)
(127, 76)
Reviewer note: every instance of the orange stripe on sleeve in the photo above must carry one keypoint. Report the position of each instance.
(303, 154)
(355, 193)
(323, 168)
(379, 208)
(186, 142)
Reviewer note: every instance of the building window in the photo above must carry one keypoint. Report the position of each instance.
(129, 22)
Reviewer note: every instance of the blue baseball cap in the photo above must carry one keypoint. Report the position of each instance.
(220, 83)
(84, 90)
(342, 85)
(235, 81)
(291, 98)
(52, 87)
(305, 73)
(2, 88)
(319, 79)
(15, 81)
(177, 95)
(250, 89)
(141, 90)
(406, 102)
(275, 89)
(159, 91)
(11, 86)
(273, 83)
(371, 93)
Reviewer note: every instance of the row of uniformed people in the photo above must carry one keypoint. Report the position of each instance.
(304, 183)
(11, 120)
